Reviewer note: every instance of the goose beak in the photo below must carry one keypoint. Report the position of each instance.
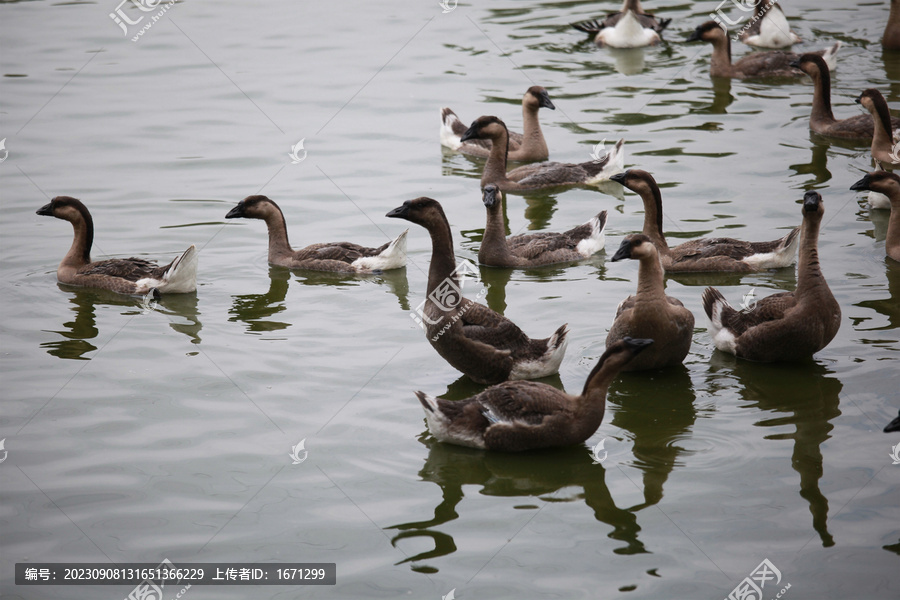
(862, 184)
(637, 345)
(545, 101)
(795, 64)
(811, 201)
(489, 195)
(236, 212)
(46, 210)
(859, 99)
(619, 177)
(470, 134)
(401, 212)
(695, 36)
(623, 252)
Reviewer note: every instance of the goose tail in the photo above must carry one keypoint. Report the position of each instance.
(392, 257)
(451, 129)
(556, 348)
(829, 56)
(613, 163)
(786, 252)
(181, 278)
(716, 307)
(595, 242)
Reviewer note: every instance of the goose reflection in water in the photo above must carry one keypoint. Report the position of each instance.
(179, 309)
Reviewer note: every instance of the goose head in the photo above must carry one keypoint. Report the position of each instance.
(883, 182)
(491, 196)
(615, 357)
(422, 211)
(485, 128)
(636, 246)
(812, 204)
(709, 31)
(65, 208)
(811, 64)
(253, 207)
(537, 97)
(636, 180)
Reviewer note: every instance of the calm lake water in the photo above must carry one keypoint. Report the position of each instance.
(136, 434)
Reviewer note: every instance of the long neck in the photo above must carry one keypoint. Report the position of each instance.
(494, 241)
(653, 215)
(597, 384)
(533, 137)
(443, 262)
(634, 5)
(891, 38)
(883, 135)
(278, 236)
(80, 252)
(821, 105)
(720, 63)
(495, 168)
(809, 272)
(651, 284)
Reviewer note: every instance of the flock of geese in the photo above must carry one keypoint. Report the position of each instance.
(651, 330)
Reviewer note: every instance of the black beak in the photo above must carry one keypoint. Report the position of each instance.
(811, 201)
(795, 64)
(489, 195)
(623, 252)
(46, 210)
(859, 99)
(619, 177)
(862, 184)
(401, 212)
(545, 102)
(236, 212)
(637, 345)
(470, 134)
(695, 36)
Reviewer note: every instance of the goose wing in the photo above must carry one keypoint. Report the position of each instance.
(343, 251)
(481, 324)
(521, 402)
(130, 269)
(770, 308)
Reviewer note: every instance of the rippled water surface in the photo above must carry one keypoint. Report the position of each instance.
(136, 434)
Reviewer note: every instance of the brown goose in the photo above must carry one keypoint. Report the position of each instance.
(705, 254)
(528, 147)
(649, 312)
(339, 257)
(770, 28)
(758, 64)
(631, 27)
(883, 144)
(891, 38)
(535, 249)
(889, 185)
(527, 415)
(481, 343)
(821, 119)
(122, 275)
(788, 326)
(537, 175)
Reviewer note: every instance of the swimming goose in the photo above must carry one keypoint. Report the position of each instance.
(787, 326)
(893, 425)
(528, 147)
(821, 119)
(535, 249)
(758, 64)
(891, 38)
(122, 275)
(527, 415)
(474, 339)
(883, 143)
(537, 175)
(340, 257)
(650, 312)
(889, 185)
(705, 254)
(770, 28)
(629, 28)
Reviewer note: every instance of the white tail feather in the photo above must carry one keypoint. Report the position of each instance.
(181, 278)
(448, 137)
(829, 56)
(615, 164)
(392, 257)
(593, 244)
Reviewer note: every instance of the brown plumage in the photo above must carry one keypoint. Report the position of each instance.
(891, 38)
(788, 326)
(534, 249)
(474, 339)
(340, 257)
(883, 141)
(526, 415)
(528, 147)
(537, 175)
(650, 312)
(122, 275)
(774, 64)
(705, 254)
(889, 185)
(821, 119)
